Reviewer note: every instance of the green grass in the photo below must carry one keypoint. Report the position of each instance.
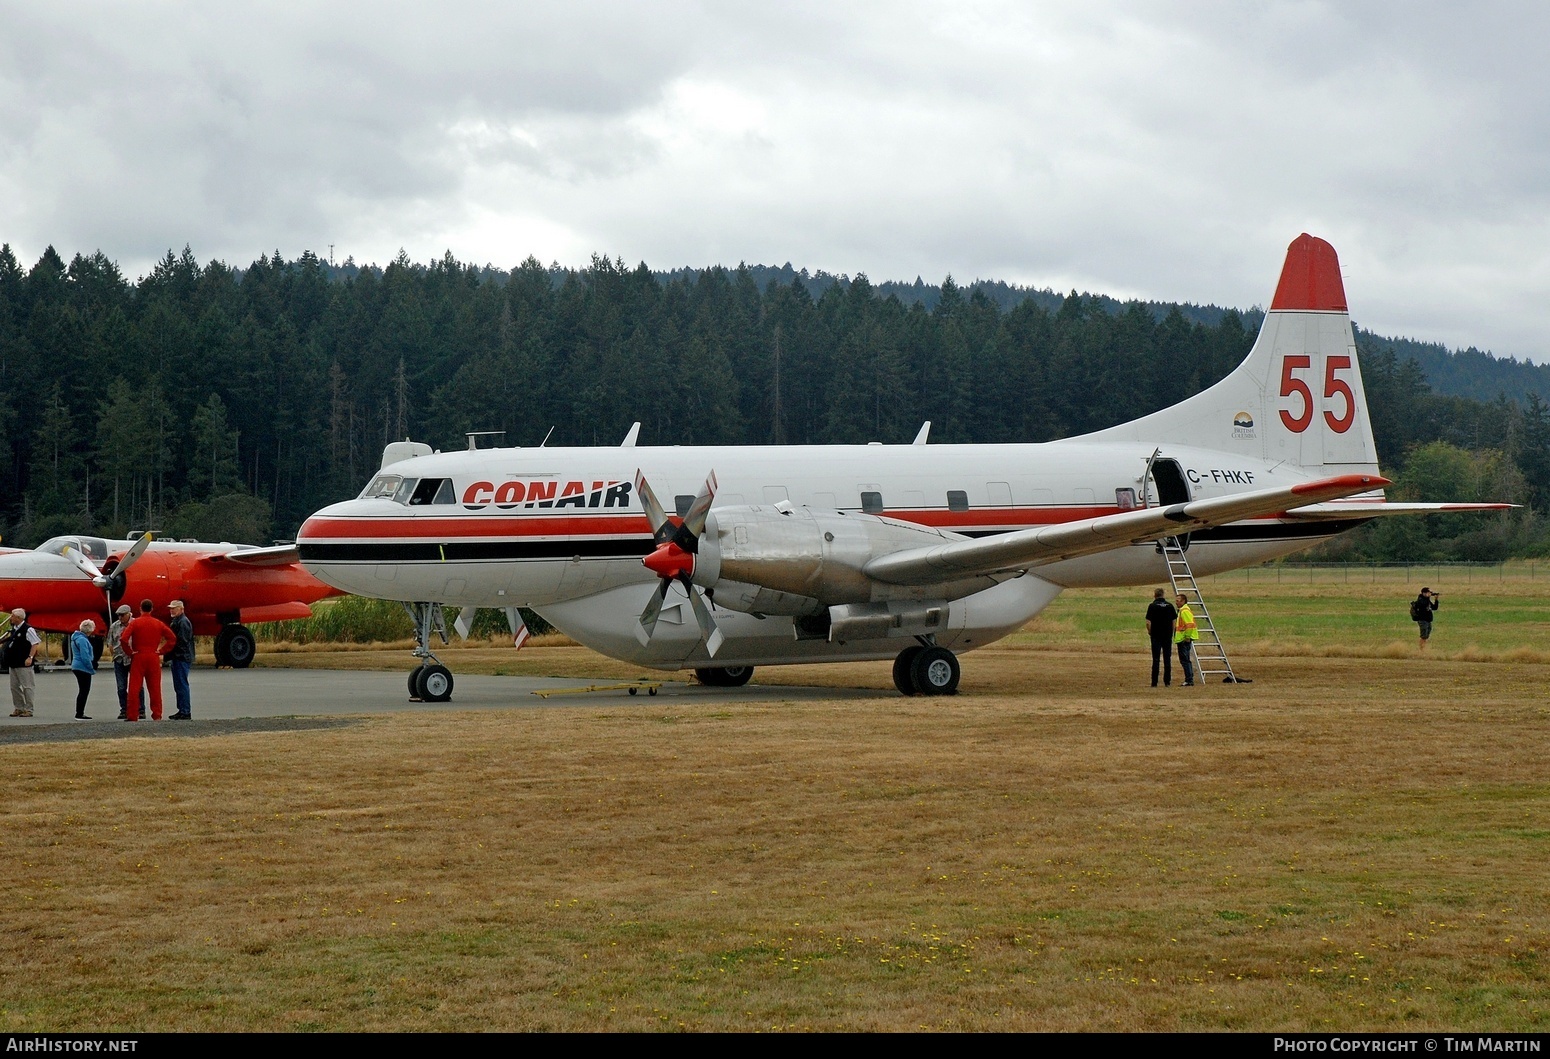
(1323, 610)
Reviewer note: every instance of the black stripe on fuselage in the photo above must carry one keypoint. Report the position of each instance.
(476, 551)
(638, 547)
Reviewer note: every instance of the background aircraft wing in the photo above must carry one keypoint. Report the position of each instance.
(1022, 549)
(1378, 508)
(279, 555)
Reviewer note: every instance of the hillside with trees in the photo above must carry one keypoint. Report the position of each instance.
(218, 403)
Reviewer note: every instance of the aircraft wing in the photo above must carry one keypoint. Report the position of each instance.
(1022, 549)
(279, 555)
(1378, 508)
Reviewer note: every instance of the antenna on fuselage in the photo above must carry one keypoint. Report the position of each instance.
(925, 428)
(474, 436)
(547, 436)
(629, 439)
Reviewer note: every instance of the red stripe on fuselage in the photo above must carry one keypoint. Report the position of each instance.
(509, 527)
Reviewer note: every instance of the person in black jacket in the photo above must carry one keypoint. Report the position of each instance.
(1160, 616)
(1421, 612)
(180, 660)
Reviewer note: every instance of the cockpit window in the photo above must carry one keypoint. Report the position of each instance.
(432, 491)
(94, 548)
(383, 485)
(405, 490)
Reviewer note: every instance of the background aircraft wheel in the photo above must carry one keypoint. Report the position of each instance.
(730, 677)
(436, 684)
(414, 681)
(901, 670)
(234, 647)
(935, 671)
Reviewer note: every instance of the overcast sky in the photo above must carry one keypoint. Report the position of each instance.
(1157, 150)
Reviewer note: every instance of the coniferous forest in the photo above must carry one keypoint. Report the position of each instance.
(223, 404)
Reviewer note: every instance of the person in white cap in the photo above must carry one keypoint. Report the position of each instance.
(180, 659)
(121, 659)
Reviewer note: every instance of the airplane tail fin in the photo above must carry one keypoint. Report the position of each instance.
(1297, 397)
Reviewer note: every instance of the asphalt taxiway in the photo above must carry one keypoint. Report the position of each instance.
(240, 694)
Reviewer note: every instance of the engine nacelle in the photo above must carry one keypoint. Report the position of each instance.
(797, 561)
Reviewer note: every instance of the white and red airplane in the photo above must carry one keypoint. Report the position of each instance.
(828, 553)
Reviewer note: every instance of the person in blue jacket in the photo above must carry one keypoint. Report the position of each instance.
(82, 664)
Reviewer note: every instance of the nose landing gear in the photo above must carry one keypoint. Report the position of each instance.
(430, 681)
(926, 670)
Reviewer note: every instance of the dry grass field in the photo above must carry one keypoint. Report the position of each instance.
(1359, 839)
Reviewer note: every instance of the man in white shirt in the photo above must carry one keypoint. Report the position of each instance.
(21, 650)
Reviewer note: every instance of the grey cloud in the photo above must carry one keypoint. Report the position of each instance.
(1152, 149)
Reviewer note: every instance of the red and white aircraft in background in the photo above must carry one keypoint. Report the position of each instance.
(801, 554)
(68, 579)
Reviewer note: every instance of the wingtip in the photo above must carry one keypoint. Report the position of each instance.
(1353, 482)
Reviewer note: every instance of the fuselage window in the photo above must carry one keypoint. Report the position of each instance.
(383, 485)
(872, 503)
(957, 500)
(1125, 499)
(432, 491)
(682, 503)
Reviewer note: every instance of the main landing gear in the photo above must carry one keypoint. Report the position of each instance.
(430, 681)
(926, 670)
(727, 677)
(234, 646)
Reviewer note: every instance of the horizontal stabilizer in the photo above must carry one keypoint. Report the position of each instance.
(1022, 549)
(1379, 508)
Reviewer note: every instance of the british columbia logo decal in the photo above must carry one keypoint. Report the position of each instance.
(1243, 427)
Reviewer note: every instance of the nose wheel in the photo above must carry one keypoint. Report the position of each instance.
(926, 670)
(430, 681)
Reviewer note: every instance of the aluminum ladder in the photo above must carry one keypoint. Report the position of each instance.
(1210, 655)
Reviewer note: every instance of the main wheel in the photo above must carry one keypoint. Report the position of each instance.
(728, 677)
(234, 647)
(901, 670)
(935, 671)
(414, 681)
(436, 684)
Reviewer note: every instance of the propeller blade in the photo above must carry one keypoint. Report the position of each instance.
(673, 559)
(465, 622)
(713, 637)
(648, 617)
(660, 527)
(694, 521)
(132, 556)
(86, 566)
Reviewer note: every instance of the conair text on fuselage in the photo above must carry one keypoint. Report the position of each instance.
(546, 493)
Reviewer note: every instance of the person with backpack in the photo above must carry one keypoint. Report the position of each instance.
(1421, 610)
(21, 651)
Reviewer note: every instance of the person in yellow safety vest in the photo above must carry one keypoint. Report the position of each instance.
(1185, 637)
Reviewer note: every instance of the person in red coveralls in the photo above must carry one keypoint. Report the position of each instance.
(146, 639)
